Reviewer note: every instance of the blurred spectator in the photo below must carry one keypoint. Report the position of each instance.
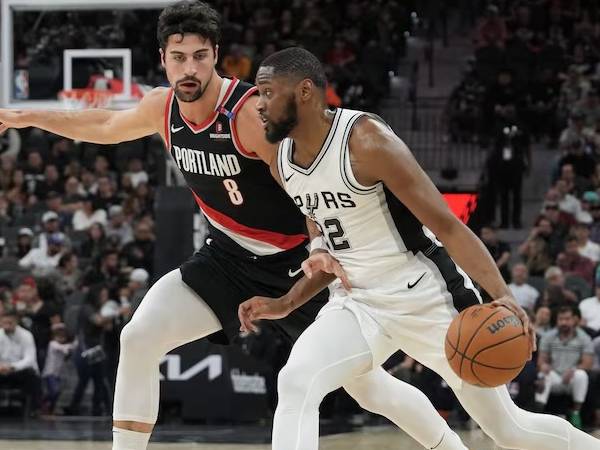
(67, 276)
(136, 172)
(560, 221)
(236, 64)
(140, 252)
(88, 185)
(5, 216)
(41, 262)
(105, 271)
(555, 284)
(73, 195)
(567, 202)
(585, 246)
(59, 349)
(24, 242)
(18, 364)
(540, 248)
(50, 226)
(37, 315)
(102, 168)
(34, 172)
(572, 262)
(88, 215)
(137, 287)
(566, 353)
(525, 294)
(499, 250)
(541, 105)
(510, 160)
(52, 182)
(543, 317)
(95, 243)
(117, 226)
(576, 154)
(590, 313)
(90, 356)
(105, 195)
(492, 29)
(576, 184)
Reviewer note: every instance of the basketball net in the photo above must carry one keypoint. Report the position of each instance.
(85, 98)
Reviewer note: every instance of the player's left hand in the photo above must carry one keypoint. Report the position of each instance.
(324, 262)
(510, 303)
(258, 308)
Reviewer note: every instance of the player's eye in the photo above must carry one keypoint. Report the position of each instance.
(200, 57)
(178, 58)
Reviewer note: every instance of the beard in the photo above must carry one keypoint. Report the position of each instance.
(277, 131)
(187, 97)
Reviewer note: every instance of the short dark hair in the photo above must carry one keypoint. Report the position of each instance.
(568, 308)
(191, 17)
(297, 62)
(9, 311)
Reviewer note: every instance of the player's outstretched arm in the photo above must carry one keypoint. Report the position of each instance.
(377, 154)
(99, 126)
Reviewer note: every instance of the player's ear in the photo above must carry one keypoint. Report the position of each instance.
(162, 57)
(306, 88)
(216, 50)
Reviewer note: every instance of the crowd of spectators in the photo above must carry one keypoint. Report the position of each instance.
(360, 42)
(535, 77)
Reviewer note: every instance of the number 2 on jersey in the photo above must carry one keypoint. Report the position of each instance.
(234, 193)
(335, 233)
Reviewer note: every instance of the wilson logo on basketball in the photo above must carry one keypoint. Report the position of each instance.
(499, 324)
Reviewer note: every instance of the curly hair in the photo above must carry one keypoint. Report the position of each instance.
(189, 17)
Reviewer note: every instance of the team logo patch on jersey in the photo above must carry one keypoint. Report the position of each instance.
(218, 134)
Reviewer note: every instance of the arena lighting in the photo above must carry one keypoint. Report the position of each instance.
(462, 204)
(8, 7)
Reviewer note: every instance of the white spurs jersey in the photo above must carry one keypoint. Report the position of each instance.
(367, 228)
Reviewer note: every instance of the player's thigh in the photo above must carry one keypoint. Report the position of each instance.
(332, 350)
(173, 312)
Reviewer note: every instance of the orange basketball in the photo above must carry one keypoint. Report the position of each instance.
(487, 346)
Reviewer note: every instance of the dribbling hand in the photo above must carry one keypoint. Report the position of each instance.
(324, 262)
(510, 303)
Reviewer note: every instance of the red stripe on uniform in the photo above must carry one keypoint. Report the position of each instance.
(279, 240)
(236, 140)
(168, 119)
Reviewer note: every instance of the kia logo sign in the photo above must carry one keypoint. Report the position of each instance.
(212, 363)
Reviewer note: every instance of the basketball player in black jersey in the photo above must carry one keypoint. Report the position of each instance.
(257, 239)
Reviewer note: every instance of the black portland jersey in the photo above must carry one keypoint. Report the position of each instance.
(246, 209)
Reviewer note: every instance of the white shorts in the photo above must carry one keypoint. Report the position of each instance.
(413, 315)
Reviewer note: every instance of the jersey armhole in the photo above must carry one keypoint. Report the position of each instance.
(237, 143)
(346, 167)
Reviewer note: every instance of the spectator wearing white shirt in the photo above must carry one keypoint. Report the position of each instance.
(136, 172)
(18, 359)
(567, 202)
(587, 248)
(43, 261)
(590, 312)
(50, 225)
(58, 351)
(525, 294)
(87, 215)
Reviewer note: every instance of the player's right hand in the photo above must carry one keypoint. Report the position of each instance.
(324, 262)
(11, 118)
(258, 308)
(511, 304)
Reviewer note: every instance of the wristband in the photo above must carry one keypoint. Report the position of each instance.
(318, 243)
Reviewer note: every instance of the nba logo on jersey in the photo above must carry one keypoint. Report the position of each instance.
(218, 134)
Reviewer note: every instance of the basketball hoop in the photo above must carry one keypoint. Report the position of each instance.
(85, 98)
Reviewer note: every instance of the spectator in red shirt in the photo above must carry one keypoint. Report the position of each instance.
(572, 263)
(492, 29)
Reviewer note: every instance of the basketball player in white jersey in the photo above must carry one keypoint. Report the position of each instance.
(381, 217)
(256, 232)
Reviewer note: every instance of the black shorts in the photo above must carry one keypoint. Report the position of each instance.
(225, 280)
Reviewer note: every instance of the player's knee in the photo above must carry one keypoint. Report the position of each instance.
(297, 385)
(134, 337)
